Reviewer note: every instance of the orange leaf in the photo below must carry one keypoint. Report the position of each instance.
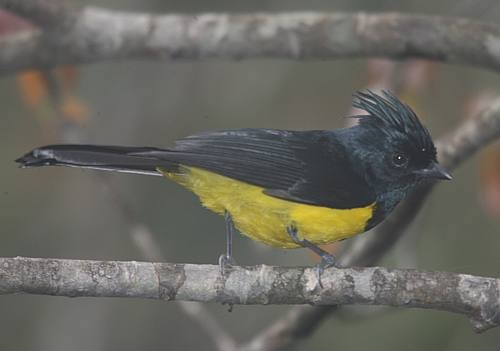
(33, 87)
(68, 76)
(73, 109)
(490, 180)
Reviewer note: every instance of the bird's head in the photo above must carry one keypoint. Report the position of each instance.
(397, 150)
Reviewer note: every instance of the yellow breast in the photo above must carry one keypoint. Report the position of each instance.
(265, 218)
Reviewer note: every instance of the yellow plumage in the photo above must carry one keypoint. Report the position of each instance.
(265, 218)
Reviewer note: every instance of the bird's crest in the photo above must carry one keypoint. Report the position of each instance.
(390, 115)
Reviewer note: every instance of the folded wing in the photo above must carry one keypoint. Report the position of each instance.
(308, 167)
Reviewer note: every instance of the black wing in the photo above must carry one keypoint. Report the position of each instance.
(308, 167)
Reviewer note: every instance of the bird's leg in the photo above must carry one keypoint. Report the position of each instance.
(227, 258)
(327, 259)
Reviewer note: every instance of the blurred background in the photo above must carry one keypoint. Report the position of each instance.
(68, 213)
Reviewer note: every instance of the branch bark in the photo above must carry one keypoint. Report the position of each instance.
(476, 297)
(97, 34)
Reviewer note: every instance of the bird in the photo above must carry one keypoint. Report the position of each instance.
(284, 188)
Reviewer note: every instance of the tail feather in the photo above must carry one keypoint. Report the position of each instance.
(143, 160)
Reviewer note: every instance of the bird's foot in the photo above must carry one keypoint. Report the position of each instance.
(327, 261)
(226, 262)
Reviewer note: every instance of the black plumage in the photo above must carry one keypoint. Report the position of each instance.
(345, 168)
(309, 167)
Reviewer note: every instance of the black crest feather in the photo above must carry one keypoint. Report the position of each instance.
(389, 114)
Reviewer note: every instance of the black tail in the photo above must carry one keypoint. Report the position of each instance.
(143, 160)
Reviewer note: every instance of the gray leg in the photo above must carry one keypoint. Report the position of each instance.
(327, 260)
(227, 258)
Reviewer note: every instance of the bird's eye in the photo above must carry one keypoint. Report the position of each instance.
(399, 160)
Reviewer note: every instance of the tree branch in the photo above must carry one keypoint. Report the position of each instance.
(97, 34)
(297, 324)
(476, 297)
(46, 14)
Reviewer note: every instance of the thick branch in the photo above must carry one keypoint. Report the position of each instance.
(98, 34)
(476, 297)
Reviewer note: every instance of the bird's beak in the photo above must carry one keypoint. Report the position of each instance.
(435, 170)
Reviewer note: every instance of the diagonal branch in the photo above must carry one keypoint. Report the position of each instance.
(468, 138)
(97, 35)
(476, 297)
(460, 145)
(144, 241)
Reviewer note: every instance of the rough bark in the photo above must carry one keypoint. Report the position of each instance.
(476, 297)
(95, 34)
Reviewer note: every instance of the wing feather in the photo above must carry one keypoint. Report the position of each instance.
(305, 166)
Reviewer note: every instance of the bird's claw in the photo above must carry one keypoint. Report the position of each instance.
(226, 262)
(327, 261)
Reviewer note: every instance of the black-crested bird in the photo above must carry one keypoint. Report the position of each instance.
(287, 189)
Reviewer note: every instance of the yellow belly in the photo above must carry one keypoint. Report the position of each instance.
(265, 218)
